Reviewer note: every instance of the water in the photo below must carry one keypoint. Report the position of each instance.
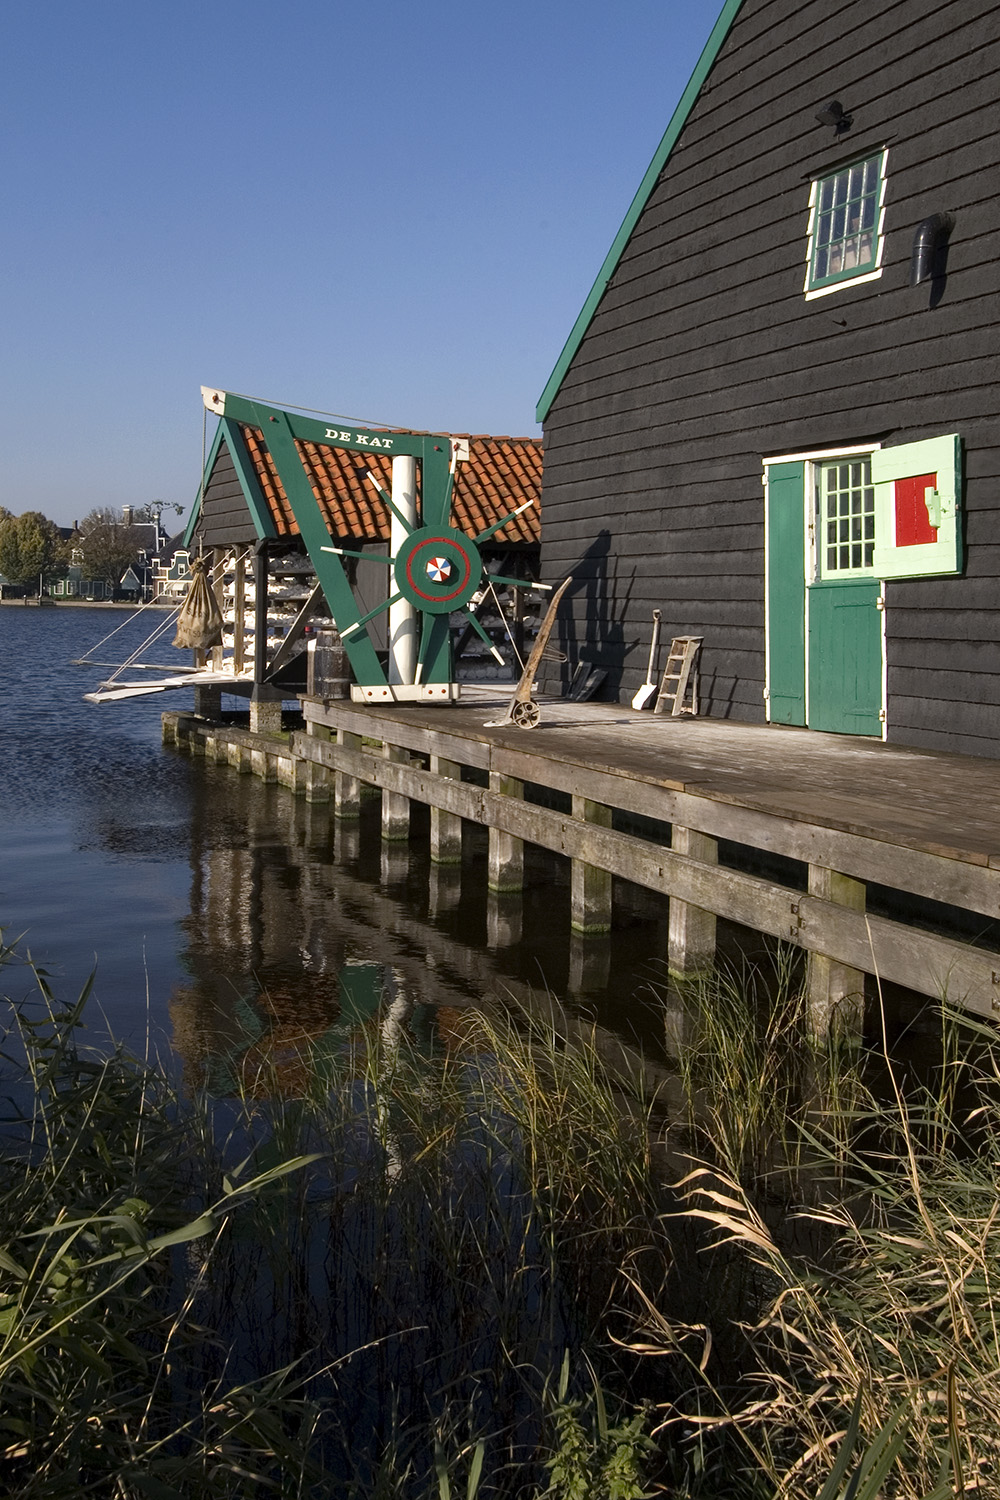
(232, 919)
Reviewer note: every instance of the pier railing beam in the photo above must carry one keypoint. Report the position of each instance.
(347, 789)
(446, 827)
(506, 862)
(395, 807)
(590, 887)
(691, 931)
(835, 993)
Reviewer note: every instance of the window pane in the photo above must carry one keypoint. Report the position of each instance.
(845, 500)
(844, 220)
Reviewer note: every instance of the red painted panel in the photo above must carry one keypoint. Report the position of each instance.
(912, 522)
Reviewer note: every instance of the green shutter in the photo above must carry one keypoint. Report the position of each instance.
(786, 593)
(942, 458)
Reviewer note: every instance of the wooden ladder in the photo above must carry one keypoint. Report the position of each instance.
(679, 683)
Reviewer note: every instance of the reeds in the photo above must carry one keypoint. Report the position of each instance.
(851, 1236)
(369, 1290)
(460, 1273)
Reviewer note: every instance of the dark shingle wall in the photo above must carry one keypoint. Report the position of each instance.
(704, 356)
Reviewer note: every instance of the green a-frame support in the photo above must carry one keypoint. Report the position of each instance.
(438, 569)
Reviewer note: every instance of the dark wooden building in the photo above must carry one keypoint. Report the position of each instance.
(776, 416)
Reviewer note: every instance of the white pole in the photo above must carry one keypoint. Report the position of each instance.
(403, 616)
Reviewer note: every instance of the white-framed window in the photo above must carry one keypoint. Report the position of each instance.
(845, 516)
(846, 212)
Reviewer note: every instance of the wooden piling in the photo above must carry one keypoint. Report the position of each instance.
(347, 789)
(691, 932)
(590, 886)
(395, 808)
(506, 858)
(446, 827)
(835, 992)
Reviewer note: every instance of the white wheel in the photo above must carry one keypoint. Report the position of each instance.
(525, 714)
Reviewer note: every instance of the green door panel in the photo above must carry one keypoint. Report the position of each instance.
(786, 593)
(845, 656)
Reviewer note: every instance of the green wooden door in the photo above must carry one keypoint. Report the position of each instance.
(827, 633)
(845, 656)
(786, 594)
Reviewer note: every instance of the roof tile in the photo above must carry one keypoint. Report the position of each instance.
(501, 474)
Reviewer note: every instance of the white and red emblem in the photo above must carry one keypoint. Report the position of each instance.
(439, 570)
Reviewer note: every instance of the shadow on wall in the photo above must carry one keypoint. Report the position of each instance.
(597, 609)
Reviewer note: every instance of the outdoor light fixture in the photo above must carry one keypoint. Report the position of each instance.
(930, 240)
(833, 114)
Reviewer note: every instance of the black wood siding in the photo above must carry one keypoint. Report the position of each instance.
(704, 356)
(225, 517)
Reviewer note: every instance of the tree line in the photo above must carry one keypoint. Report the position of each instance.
(33, 549)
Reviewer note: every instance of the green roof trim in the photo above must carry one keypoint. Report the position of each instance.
(677, 122)
(228, 432)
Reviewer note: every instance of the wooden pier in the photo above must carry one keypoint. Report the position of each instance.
(693, 809)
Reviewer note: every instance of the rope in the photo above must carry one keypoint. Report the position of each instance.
(164, 625)
(503, 617)
(201, 486)
(82, 661)
(317, 411)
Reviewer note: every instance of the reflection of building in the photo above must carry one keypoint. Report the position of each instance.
(290, 948)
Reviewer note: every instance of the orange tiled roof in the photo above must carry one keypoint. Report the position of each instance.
(501, 474)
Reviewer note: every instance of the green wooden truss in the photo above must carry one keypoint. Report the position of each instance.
(439, 567)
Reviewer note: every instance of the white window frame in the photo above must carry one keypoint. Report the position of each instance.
(811, 293)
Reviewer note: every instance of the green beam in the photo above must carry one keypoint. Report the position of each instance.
(677, 122)
(280, 439)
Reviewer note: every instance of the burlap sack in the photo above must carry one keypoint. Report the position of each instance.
(199, 624)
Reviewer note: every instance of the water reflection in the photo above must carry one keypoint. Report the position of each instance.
(290, 906)
(235, 917)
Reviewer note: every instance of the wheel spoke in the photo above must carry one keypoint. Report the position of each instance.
(359, 624)
(406, 524)
(483, 634)
(364, 556)
(499, 525)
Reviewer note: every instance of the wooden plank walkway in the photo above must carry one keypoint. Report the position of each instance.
(852, 811)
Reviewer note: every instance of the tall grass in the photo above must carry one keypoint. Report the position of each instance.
(850, 1234)
(400, 1283)
(463, 1273)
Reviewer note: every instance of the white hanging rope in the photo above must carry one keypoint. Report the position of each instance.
(503, 617)
(163, 626)
(317, 411)
(83, 661)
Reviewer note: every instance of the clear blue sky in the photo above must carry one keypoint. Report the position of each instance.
(393, 212)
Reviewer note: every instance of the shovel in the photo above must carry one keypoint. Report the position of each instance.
(649, 689)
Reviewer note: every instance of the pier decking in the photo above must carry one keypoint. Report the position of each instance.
(849, 813)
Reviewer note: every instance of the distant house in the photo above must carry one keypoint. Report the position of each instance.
(775, 418)
(153, 571)
(170, 573)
